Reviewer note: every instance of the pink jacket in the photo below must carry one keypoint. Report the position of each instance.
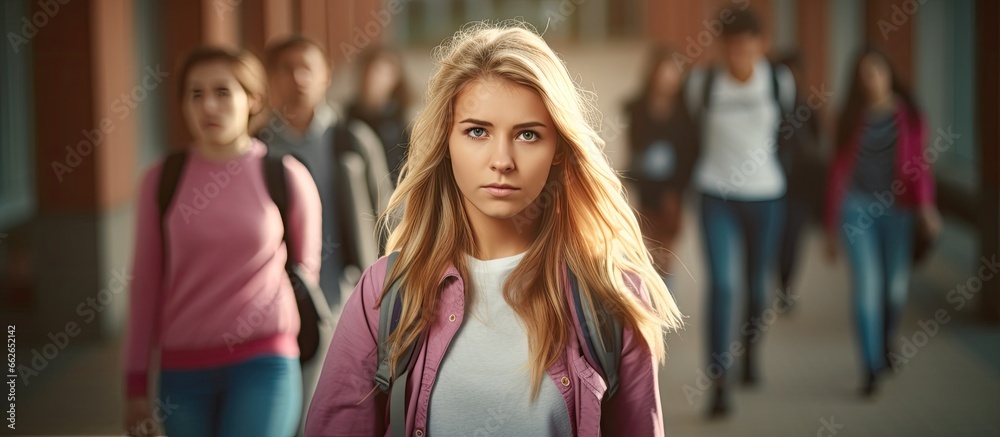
(342, 406)
(911, 169)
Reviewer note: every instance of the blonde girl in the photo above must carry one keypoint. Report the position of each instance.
(505, 190)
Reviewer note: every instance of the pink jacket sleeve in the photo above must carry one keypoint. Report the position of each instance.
(635, 408)
(146, 287)
(924, 194)
(304, 217)
(346, 401)
(836, 186)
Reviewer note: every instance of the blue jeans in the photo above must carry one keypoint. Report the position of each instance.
(258, 397)
(726, 224)
(879, 245)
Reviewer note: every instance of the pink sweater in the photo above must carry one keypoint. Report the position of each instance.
(222, 296)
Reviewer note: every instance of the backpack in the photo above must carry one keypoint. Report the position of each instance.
(604, 346)
(314, 312)
(359, 166)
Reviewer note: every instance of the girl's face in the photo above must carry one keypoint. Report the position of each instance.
(502, 144)
(382, 79)
(668, 78)
(216, 107)
(875, 77)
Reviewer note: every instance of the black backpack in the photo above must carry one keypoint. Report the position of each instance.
(314, 312)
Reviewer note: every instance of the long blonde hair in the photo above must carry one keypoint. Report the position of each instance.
(585, 223)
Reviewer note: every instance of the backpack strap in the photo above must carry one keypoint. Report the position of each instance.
(604, 347)
(343, 139)
(710, 76)
(776, 89)
(389, 315)
(706, 93)
(170, 175)
(274, 179)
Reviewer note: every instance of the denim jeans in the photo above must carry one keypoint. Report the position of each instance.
(258, 397)
(735, 233)
(879, 245)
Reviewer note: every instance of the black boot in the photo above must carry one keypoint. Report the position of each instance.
(750, 375)
(870, 389)
(785, 302)
(718, 407)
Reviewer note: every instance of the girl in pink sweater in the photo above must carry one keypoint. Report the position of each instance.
(210, 291)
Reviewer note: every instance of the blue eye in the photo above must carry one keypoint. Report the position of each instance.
(476, 132)
(529, 136)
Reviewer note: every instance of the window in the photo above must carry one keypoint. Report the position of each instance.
(430, 21)
(17, 138)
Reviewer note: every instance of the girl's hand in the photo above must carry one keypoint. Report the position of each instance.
(929, 219)
(139, 420)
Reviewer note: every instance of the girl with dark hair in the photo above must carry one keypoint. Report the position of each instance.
(382, 101)
(210, 291)
(880, 187)
(662, 146)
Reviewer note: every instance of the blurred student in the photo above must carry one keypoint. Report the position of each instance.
(305, 125)
(662, 146)
(210, 291)
(346, 162)
(382, 102)
(738, 106)
(881, 137)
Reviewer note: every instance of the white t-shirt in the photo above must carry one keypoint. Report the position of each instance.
(483, 387)
(739, 136)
